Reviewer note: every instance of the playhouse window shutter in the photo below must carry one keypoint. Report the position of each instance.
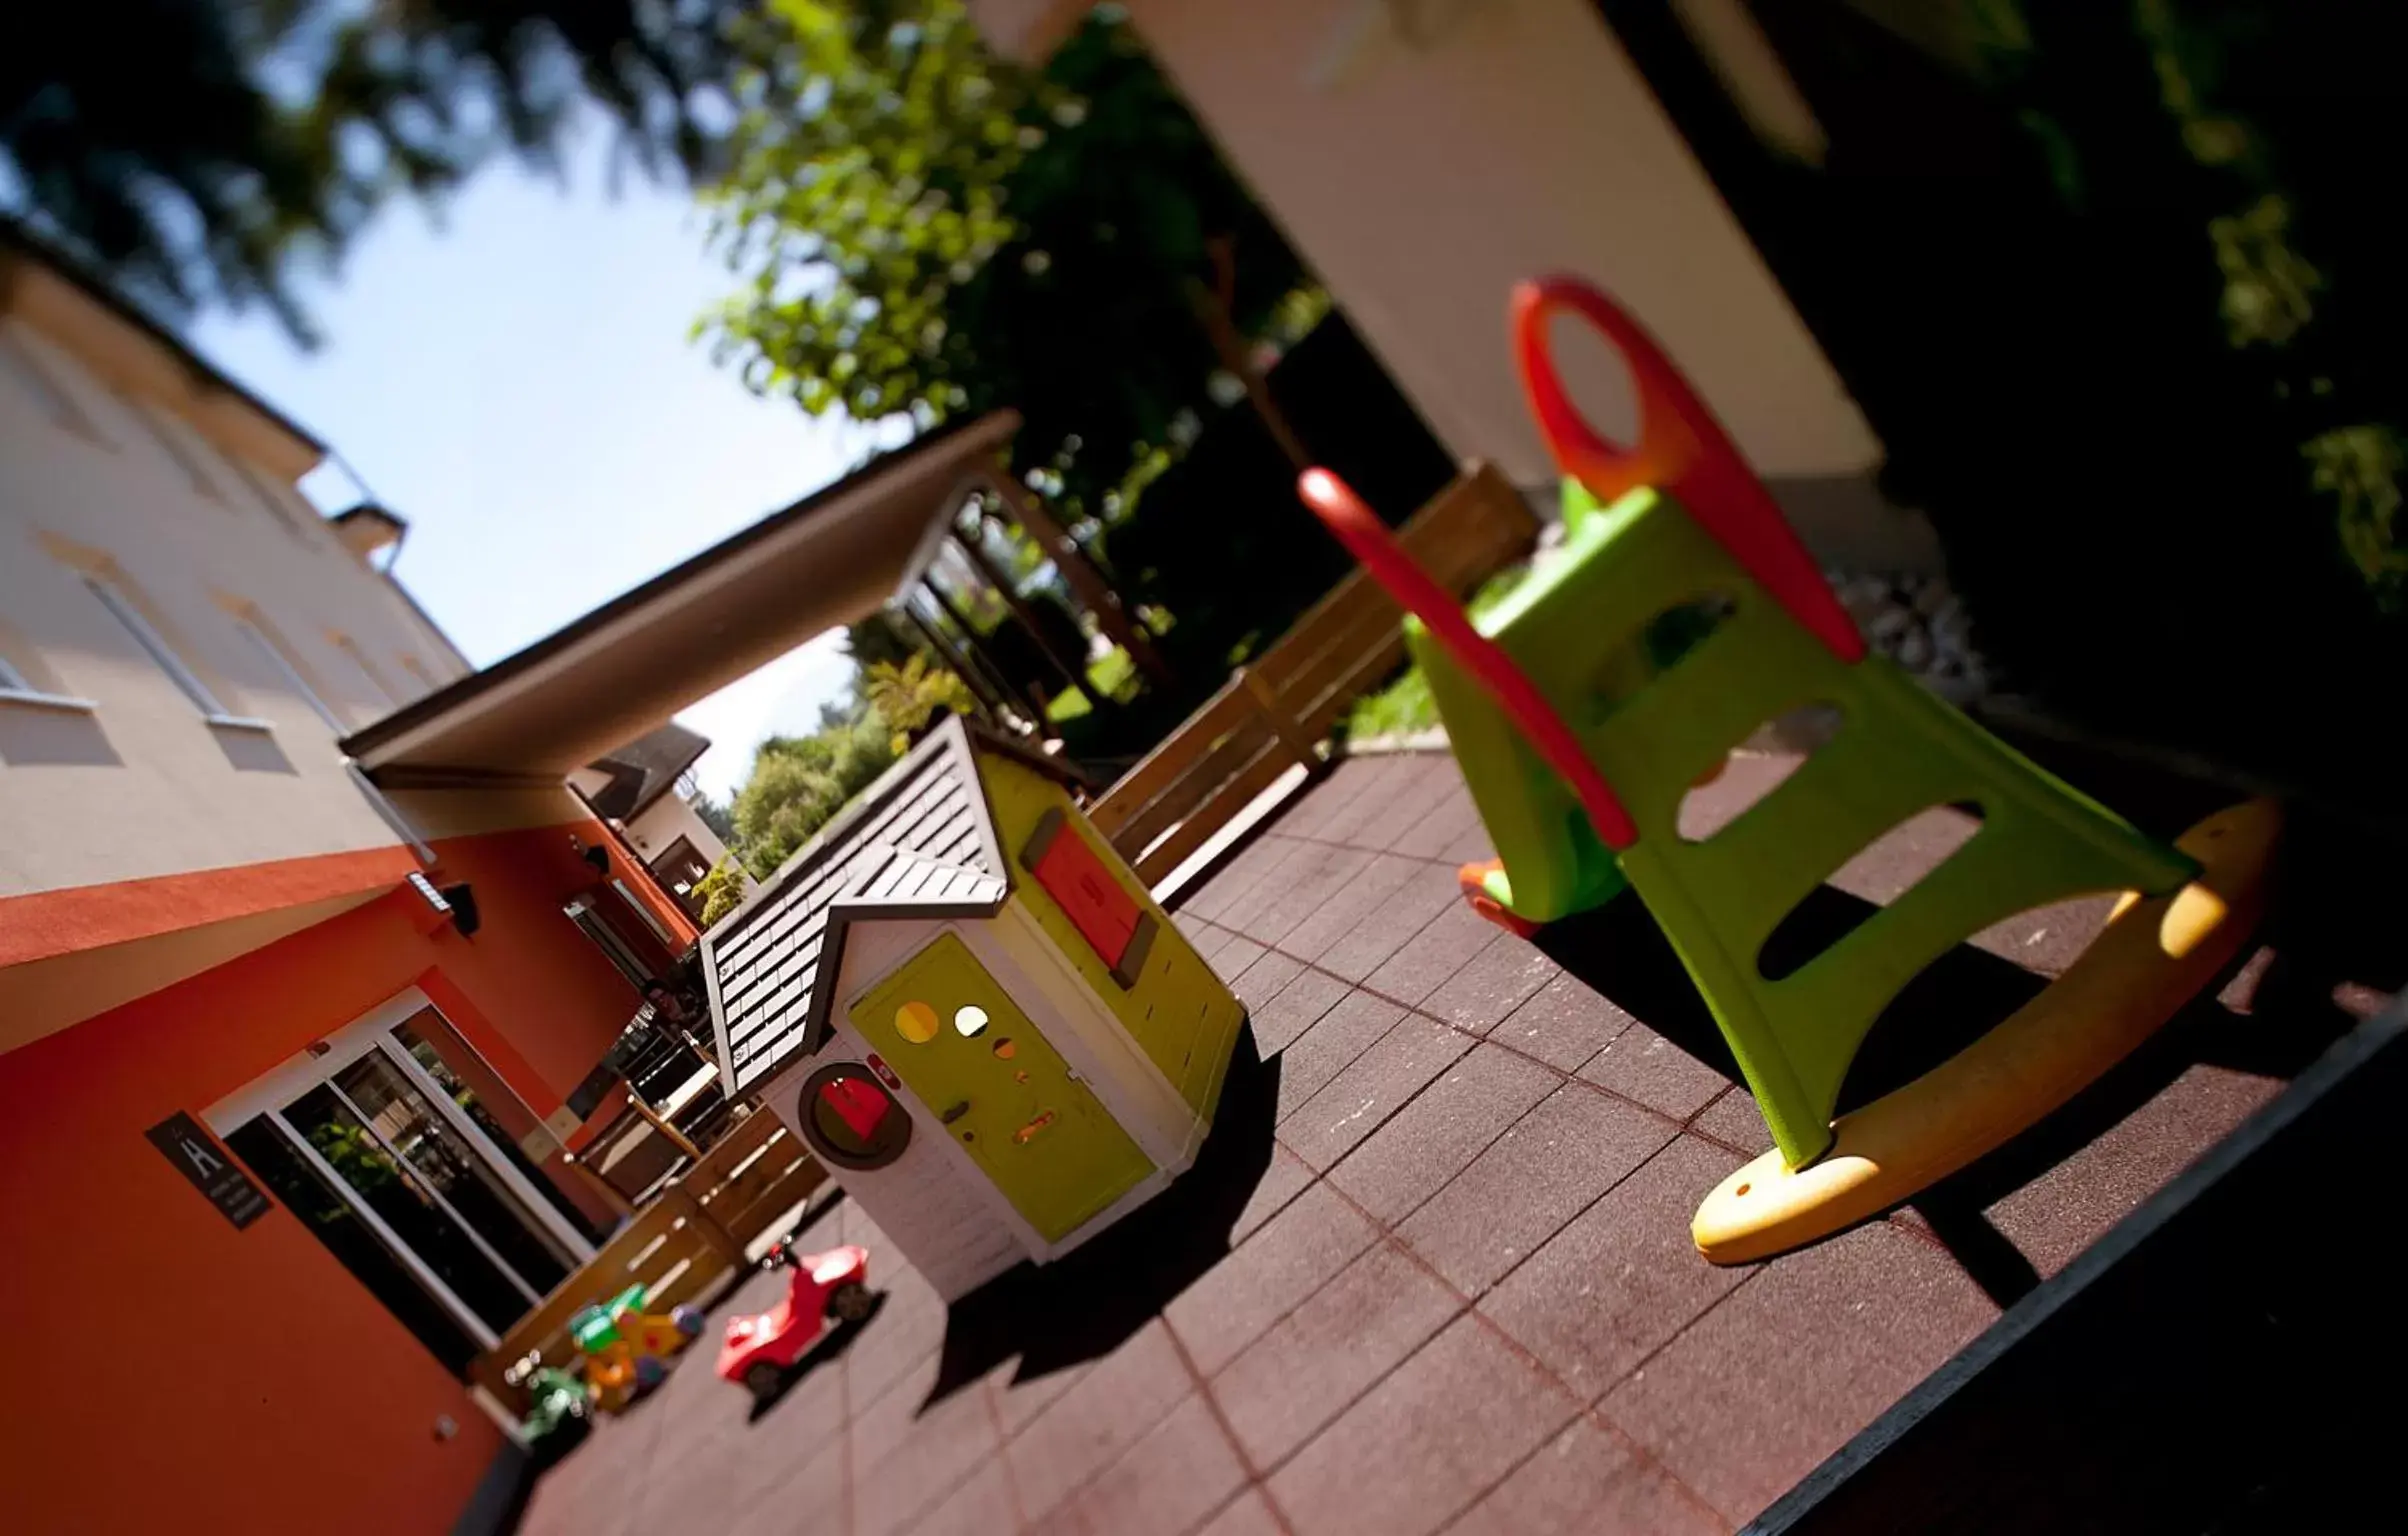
(1082, 885)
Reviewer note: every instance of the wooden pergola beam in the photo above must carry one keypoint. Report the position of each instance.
(1095, 593)
(961, 621)
(989, 701)
(1072, 671)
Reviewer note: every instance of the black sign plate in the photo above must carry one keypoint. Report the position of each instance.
(211, 1168)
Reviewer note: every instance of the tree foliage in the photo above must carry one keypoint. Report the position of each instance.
(799, 782)
(924, 228)
(722, 890)
(2260, 127)
(715, 814)
(909, 696)
(879, 638)
(196, 150)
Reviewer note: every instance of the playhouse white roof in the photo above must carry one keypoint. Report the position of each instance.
(920, 842)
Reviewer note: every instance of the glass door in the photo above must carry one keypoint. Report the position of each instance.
(410, 1213)
(456, 1072)
(369, 1116)
(411, 1128)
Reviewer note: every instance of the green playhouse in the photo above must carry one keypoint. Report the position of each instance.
(973, 1012)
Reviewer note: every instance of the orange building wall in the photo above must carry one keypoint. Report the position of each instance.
(627, 862)
(166, 1370)
(546, 983)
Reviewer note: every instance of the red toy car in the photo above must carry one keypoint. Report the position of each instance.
(760, 1349)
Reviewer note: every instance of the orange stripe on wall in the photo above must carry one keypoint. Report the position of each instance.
(41, 924)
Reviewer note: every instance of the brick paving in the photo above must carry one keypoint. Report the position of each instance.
(1451, 1290)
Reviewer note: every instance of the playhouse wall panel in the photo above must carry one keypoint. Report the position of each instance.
(1024, 958)
(1179, 1013)
(934, 1217)
(929, 1203)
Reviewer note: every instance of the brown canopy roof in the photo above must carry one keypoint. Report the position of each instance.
(642, 770)
(832, 558)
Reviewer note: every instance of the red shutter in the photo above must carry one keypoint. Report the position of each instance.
(1111, 920)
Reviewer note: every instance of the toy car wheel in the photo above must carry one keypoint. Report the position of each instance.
(849, 1302)
(650, 1372)
(762, 1378)
(687, 1320)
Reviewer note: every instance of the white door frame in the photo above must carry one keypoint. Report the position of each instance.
(556, 1226)
(373, 1032)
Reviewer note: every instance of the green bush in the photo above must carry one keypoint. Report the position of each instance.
(799, 782)
(1406, 705)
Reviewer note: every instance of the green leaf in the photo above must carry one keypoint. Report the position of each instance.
(962, 197)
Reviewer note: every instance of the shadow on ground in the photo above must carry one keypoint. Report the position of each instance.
(1618, 950)
(2327, 948)
(1087, 1304)
(2213, 1377)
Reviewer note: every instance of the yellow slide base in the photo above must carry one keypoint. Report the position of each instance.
(2153, 956)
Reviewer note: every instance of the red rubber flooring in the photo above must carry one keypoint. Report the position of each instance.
(1458, 1292)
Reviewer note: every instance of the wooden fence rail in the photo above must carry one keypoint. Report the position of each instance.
(1273, 714)
(682, 1246)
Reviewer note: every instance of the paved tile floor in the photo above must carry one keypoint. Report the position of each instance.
(1438, 1276)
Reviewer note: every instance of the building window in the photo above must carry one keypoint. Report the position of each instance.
(509, 1123)
(33, 376)
(269, 497)
(169, 435)
(679, 869)
(644, 914)
(285, 666)
(606, 938)
(130, 617)
(359, 659)
(24, 679)
(385, 1155)
(334, 1221)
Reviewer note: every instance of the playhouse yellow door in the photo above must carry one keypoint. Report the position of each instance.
(1004, 1094)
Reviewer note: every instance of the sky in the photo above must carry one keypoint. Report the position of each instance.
(513, 377)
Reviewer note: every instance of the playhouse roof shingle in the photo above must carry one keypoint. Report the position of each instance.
(920, 842)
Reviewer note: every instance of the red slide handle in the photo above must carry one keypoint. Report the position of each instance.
(1682, 450)
(1369, 541)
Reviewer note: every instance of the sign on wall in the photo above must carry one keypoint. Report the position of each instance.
(210, 1167)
